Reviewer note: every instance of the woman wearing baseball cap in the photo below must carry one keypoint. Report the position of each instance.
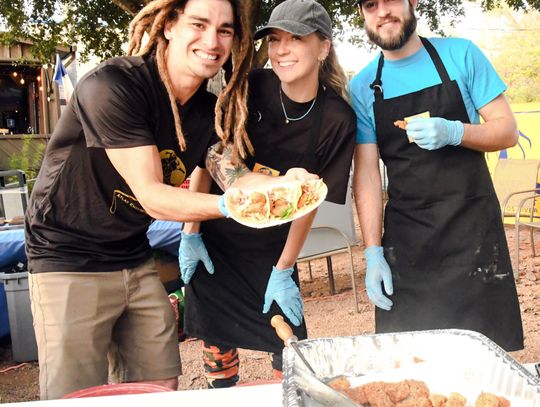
(298, 117)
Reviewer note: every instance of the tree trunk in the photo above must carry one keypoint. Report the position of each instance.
(129, 6)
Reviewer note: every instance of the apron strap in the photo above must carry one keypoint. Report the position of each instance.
(376, 85)
(441, 70)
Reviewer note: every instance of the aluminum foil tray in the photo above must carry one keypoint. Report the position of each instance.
(446, 360)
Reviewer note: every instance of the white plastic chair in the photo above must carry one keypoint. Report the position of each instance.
(13, 196)
(332, 232)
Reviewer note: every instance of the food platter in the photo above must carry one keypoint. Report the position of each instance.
(446, 360)
(278, 204)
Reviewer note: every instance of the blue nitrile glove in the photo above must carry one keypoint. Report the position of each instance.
(377, 272)
(435, 132)
(283, 290)
(191, 251)
(222, 207)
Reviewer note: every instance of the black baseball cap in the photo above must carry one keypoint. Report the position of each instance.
(299, 17)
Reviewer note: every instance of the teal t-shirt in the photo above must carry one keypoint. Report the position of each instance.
(465, 63)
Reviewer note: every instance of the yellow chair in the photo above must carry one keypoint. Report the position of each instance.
(516, 185)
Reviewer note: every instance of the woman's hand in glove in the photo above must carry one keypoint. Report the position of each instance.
(377, 272)
(191, 251)
(283, 290)
(435, 132)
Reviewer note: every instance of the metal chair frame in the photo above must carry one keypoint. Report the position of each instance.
(332, 232)
(521, 199)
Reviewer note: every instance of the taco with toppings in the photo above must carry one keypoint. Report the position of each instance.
(250, 207)
(279, 204)
(311, 193)
(284, 200)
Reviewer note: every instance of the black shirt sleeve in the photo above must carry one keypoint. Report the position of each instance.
(336, 149)
(113, 109)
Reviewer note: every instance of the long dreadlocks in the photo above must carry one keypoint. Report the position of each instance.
(231, 106)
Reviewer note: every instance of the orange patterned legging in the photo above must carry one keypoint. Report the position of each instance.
(221, 365)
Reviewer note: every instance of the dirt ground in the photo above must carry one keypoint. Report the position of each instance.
(326, 315)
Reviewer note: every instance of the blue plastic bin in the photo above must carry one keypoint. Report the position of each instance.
(21, 327)
(4, 316)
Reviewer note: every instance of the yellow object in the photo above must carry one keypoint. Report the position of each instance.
(528, 148)
(263, 169)
(423, 114)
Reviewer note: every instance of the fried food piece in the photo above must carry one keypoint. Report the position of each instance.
(402, 124)
(311, 192)
(357, 394)
(376, 396)
(418, 395)
(339, 383)
(407, 393)
(438, 400)
(491, 400)
(456, 400)
(397, 391)
(256, 204)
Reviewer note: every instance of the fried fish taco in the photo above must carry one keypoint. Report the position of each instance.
(252, 207)
(312, 193)
(283, 200)
(279, 204)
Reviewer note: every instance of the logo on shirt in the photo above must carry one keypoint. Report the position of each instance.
(174, 170)
(129, 200)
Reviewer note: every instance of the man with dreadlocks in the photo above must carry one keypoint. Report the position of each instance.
(136, 127)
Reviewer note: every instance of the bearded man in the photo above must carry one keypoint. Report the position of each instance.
(443, 260)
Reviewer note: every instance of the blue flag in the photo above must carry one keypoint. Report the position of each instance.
(62, 78)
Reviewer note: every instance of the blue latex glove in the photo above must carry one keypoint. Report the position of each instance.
(435, 132)
(377, 272)
(283, 290)
(222, 207)
(191, 251)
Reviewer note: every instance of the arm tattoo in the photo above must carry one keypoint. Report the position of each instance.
(219, 165)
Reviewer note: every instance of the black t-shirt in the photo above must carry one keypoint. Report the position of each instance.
(269, 133)
(83, 216)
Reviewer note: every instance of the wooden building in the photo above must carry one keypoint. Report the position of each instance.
(29, 98)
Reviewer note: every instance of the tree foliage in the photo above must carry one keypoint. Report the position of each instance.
(518, 59)
(101, 25)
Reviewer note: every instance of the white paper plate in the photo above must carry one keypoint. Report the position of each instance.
(273, 221)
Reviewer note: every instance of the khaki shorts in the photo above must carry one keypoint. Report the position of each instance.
(79, 318)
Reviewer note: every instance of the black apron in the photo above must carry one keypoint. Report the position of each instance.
(226, 308)
(443, 235)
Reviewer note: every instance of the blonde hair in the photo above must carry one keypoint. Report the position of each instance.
(331, 73)
(232, 100)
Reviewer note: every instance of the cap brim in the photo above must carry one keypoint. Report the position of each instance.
(293, 27)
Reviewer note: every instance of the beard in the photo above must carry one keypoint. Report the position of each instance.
(398, 40)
